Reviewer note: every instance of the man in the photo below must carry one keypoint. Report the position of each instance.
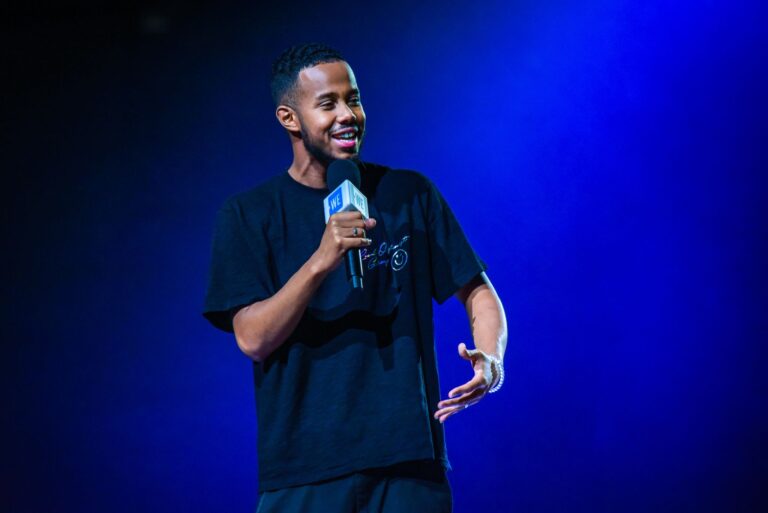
(349, 413)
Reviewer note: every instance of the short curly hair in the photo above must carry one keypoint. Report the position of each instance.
(285, 70)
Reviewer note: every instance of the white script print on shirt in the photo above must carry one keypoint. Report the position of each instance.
(386, 254)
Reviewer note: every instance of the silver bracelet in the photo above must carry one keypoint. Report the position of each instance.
(500, 370)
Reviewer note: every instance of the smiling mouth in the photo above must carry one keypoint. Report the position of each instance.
(345, 138)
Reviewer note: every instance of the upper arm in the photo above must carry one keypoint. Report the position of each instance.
(472, 288)
(453, 261)
(240, 266)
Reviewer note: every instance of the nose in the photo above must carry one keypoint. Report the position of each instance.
(346, 114)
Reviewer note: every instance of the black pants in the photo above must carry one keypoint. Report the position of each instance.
(417, 487)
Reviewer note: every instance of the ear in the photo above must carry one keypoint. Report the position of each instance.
(288, 118)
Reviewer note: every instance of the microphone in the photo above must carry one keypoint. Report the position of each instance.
(343, 178)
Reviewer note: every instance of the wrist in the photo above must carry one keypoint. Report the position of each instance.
(497, 371)
(315, 267)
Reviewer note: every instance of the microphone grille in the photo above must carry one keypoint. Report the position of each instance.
(341, 170)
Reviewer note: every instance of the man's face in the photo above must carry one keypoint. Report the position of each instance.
(330, 111)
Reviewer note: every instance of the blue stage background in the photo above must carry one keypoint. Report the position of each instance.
(606, 159)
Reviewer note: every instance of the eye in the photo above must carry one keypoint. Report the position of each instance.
(326, 105)
(354, 100)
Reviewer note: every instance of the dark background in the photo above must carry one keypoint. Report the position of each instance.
(606, 159)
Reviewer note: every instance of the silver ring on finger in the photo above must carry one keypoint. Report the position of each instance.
(354, 232)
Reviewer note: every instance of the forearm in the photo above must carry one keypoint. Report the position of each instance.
(487, 320)
(262, 327)
(489, 331)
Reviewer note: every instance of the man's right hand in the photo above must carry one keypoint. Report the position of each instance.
(344, 231)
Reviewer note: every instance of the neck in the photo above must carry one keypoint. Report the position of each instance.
(308, 172)
(305, 168)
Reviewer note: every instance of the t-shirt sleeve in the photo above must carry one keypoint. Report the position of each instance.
(453, 261)
(240, 267)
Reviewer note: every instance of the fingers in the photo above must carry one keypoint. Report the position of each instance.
(445, 410)
(347, 223)
(467, 354)
(470, 392)
(448, 413)
(344, 231)
(349, 219)
(442, 415)
(355, 242)
(343, 223)
(346, 216)
(477, 382)
(356, 231)
(354, 237)
(350, 229)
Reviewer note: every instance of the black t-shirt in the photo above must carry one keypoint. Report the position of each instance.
(355, 385)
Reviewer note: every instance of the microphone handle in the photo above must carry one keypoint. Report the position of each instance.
(354, 264)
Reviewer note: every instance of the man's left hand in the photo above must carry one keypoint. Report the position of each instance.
(473, 390)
